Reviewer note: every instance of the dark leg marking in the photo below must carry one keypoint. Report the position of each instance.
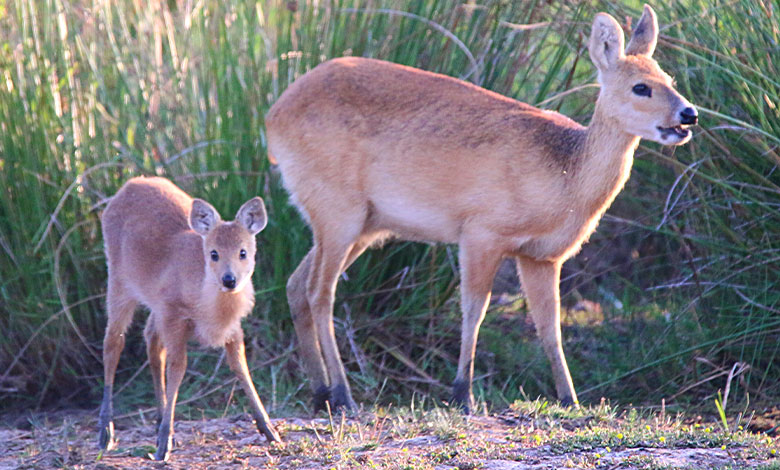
(321, 395)
(339, 398)
(105, 420)
(461, 396)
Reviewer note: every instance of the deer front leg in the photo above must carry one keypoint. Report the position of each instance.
(175, 341)
(479, 262)
(540, 281)
(236, 357)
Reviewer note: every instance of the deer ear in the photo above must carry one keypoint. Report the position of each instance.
(203, 217)
(252, 215)
(606, 42)
(645, 35)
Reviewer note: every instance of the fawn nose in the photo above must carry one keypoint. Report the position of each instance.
(229, 281)
(689, 116)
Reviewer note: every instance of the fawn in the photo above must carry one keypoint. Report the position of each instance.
(369, 150)
(175, 255)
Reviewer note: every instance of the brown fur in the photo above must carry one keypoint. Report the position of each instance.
(369, 148)
(159, 244)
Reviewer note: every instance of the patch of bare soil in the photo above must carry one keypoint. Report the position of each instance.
(443, 441)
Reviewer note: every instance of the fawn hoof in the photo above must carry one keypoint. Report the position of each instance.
(269, 432)
(569, 402)
(106, 440)
(461, 396)
(341, 399)
(164, 447)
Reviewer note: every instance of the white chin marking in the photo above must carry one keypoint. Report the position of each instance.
(676, 135)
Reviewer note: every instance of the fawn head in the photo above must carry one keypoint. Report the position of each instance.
(229, 247)
(635, 92)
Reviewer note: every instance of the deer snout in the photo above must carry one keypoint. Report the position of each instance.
(229, 281)
(689, 116)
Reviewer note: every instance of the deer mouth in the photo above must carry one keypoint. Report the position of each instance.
(679, 131)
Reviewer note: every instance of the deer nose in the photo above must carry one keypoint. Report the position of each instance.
(229, 281)
(689, 116)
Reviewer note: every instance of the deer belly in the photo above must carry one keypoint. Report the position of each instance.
(412, 219)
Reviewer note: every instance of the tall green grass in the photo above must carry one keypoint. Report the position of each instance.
(684, 266)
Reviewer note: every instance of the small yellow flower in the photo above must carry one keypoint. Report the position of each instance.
(740, 428)
(647, 426)
(723, 447)
(662, 439)
(707, 429)
(597, 455)
(608, 449)
(538, 439)
(773, 451)
(697, 425)
(619, 435)
(405, 449)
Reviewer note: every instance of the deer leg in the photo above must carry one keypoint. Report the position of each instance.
(308, 342)
(156, 353)
(236, 356)
(174, 338)
(120, 308)
(540, 281)
(328, 263)
(478, 265)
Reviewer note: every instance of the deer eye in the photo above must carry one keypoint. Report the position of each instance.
(214, 255)
(242, 254)
(642, 90)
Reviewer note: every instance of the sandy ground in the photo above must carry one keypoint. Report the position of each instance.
(367, 441)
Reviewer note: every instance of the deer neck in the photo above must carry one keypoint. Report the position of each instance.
(218, 314)
(227, 305)
(608, 156)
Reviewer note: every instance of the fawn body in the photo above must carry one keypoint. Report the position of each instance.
(369, 149)
(174, 255)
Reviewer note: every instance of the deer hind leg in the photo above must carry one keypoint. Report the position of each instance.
(120, 308)
(479, 262)
(305, 330)
(156, 353)
(540, 281)
(308, 341)
(331, 253)
(174, 337)
(236, 356)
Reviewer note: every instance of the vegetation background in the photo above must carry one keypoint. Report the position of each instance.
(674, 297)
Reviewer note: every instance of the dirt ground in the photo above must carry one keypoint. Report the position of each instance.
(434, 441)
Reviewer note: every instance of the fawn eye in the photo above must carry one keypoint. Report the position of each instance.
(214, 255)
(242, 254)
(642, 90)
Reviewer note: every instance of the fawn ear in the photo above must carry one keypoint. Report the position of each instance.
(606, 42)
(203, 217)
(645, 35)
(252, 215)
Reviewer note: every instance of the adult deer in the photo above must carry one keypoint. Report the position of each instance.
(369, 149)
